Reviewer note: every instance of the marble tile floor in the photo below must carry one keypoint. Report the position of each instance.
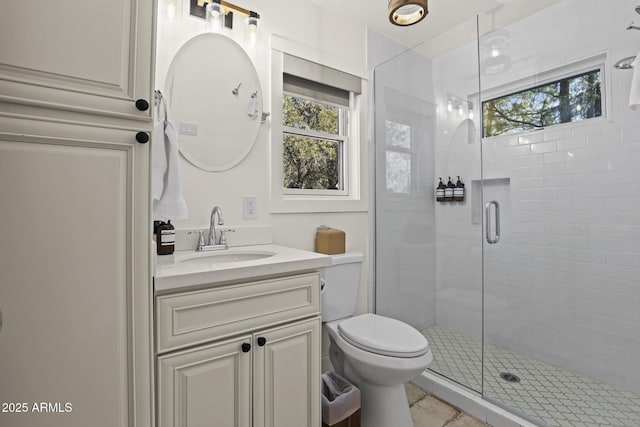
(428, 411)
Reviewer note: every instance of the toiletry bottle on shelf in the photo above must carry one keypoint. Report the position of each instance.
(458, 192)
(448, 192)
(440, 191)
(165, 238)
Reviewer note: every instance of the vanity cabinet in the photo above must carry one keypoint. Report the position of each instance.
(258, 359)
(87, 57)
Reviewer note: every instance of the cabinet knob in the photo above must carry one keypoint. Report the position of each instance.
(142, 104)
(246, 347)
(262, 341)
(142, 137)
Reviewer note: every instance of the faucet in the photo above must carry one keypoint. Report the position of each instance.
(212, 227)
(217, 240)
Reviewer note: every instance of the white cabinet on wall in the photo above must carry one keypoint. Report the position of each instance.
(245, 375)
(91, 57)
(75, 291)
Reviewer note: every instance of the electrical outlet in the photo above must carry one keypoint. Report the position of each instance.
(250, 207)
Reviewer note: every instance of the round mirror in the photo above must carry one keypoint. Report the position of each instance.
(215, 100)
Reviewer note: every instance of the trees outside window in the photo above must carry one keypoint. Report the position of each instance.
(567, 100)
(313, 144)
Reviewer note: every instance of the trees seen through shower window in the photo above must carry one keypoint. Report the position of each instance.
(570, 99)
(398, 157)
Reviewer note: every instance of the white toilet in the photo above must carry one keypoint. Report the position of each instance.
(376, 353)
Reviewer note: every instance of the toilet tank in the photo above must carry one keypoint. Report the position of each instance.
(340, 285)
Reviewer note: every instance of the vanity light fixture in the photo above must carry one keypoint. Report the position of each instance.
(252, 27)
(224, 10)
(215, 15)
(407, 12)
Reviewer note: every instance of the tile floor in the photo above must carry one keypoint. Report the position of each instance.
(554, 396)
(427, 411)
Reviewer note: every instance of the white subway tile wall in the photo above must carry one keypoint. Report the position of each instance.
(563, 283)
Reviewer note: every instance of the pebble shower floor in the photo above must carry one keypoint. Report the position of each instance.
(554, 396)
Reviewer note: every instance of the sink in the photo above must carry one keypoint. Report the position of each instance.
(189, 268)
(224, 257)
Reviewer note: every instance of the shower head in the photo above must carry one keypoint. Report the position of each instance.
(638, 10)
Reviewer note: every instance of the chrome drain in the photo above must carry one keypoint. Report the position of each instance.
(509, 377)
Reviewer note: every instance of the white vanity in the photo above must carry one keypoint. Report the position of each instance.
(237, 337)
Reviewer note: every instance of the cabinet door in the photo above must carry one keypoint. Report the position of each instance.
(74, 277)
(76, 55)
(207, 386)
(287, 376)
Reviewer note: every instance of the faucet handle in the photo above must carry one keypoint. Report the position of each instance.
(223, 236)
(201, 243)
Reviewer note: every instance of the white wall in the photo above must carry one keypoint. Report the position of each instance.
(338, 43)
(564, 277)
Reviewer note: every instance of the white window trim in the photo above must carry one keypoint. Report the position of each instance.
(356, 171)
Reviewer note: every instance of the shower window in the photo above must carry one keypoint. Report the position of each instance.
(571, 99)
(398, 157)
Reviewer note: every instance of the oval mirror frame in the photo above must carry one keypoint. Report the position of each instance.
(215, 100)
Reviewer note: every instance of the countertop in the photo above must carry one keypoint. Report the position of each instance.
(190, 268)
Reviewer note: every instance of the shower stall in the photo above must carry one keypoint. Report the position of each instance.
(528, 289)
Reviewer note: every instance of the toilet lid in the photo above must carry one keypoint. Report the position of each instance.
(382, 335)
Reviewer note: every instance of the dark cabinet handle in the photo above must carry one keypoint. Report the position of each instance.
(142, 104)
(262, 341)
(142, 137)
(246, 347)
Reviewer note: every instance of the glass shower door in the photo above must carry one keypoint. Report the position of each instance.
(561, 190)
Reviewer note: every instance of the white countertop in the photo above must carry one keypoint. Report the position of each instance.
(190, 268)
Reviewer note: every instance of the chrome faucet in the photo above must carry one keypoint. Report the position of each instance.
(213, 240)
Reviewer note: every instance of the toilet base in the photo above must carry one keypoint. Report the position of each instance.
(384, 406)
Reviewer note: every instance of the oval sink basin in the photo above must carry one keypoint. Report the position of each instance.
(224, 257)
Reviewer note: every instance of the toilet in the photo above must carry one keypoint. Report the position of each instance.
(376, 353)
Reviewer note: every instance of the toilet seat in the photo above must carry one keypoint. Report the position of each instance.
(383, 335)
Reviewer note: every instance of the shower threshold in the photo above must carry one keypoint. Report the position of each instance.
(550, 395)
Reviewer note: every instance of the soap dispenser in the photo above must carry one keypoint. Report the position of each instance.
(165, 238)
(440, 191)
(448, 191)
(458, 192)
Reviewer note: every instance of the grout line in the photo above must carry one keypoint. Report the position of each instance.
(455, 417)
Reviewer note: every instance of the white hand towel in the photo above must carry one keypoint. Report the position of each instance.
(158, 161)
(634, 95)
(171, 204)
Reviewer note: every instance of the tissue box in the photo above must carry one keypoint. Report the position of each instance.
(330, 241)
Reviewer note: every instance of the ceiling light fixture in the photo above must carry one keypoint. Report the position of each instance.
(407, 12)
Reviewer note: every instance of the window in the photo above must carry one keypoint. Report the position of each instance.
(316, 134)
(571, 99)
(398, 157)
(314, 144)
(318, 156)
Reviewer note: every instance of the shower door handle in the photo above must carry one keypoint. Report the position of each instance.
(495, 239)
